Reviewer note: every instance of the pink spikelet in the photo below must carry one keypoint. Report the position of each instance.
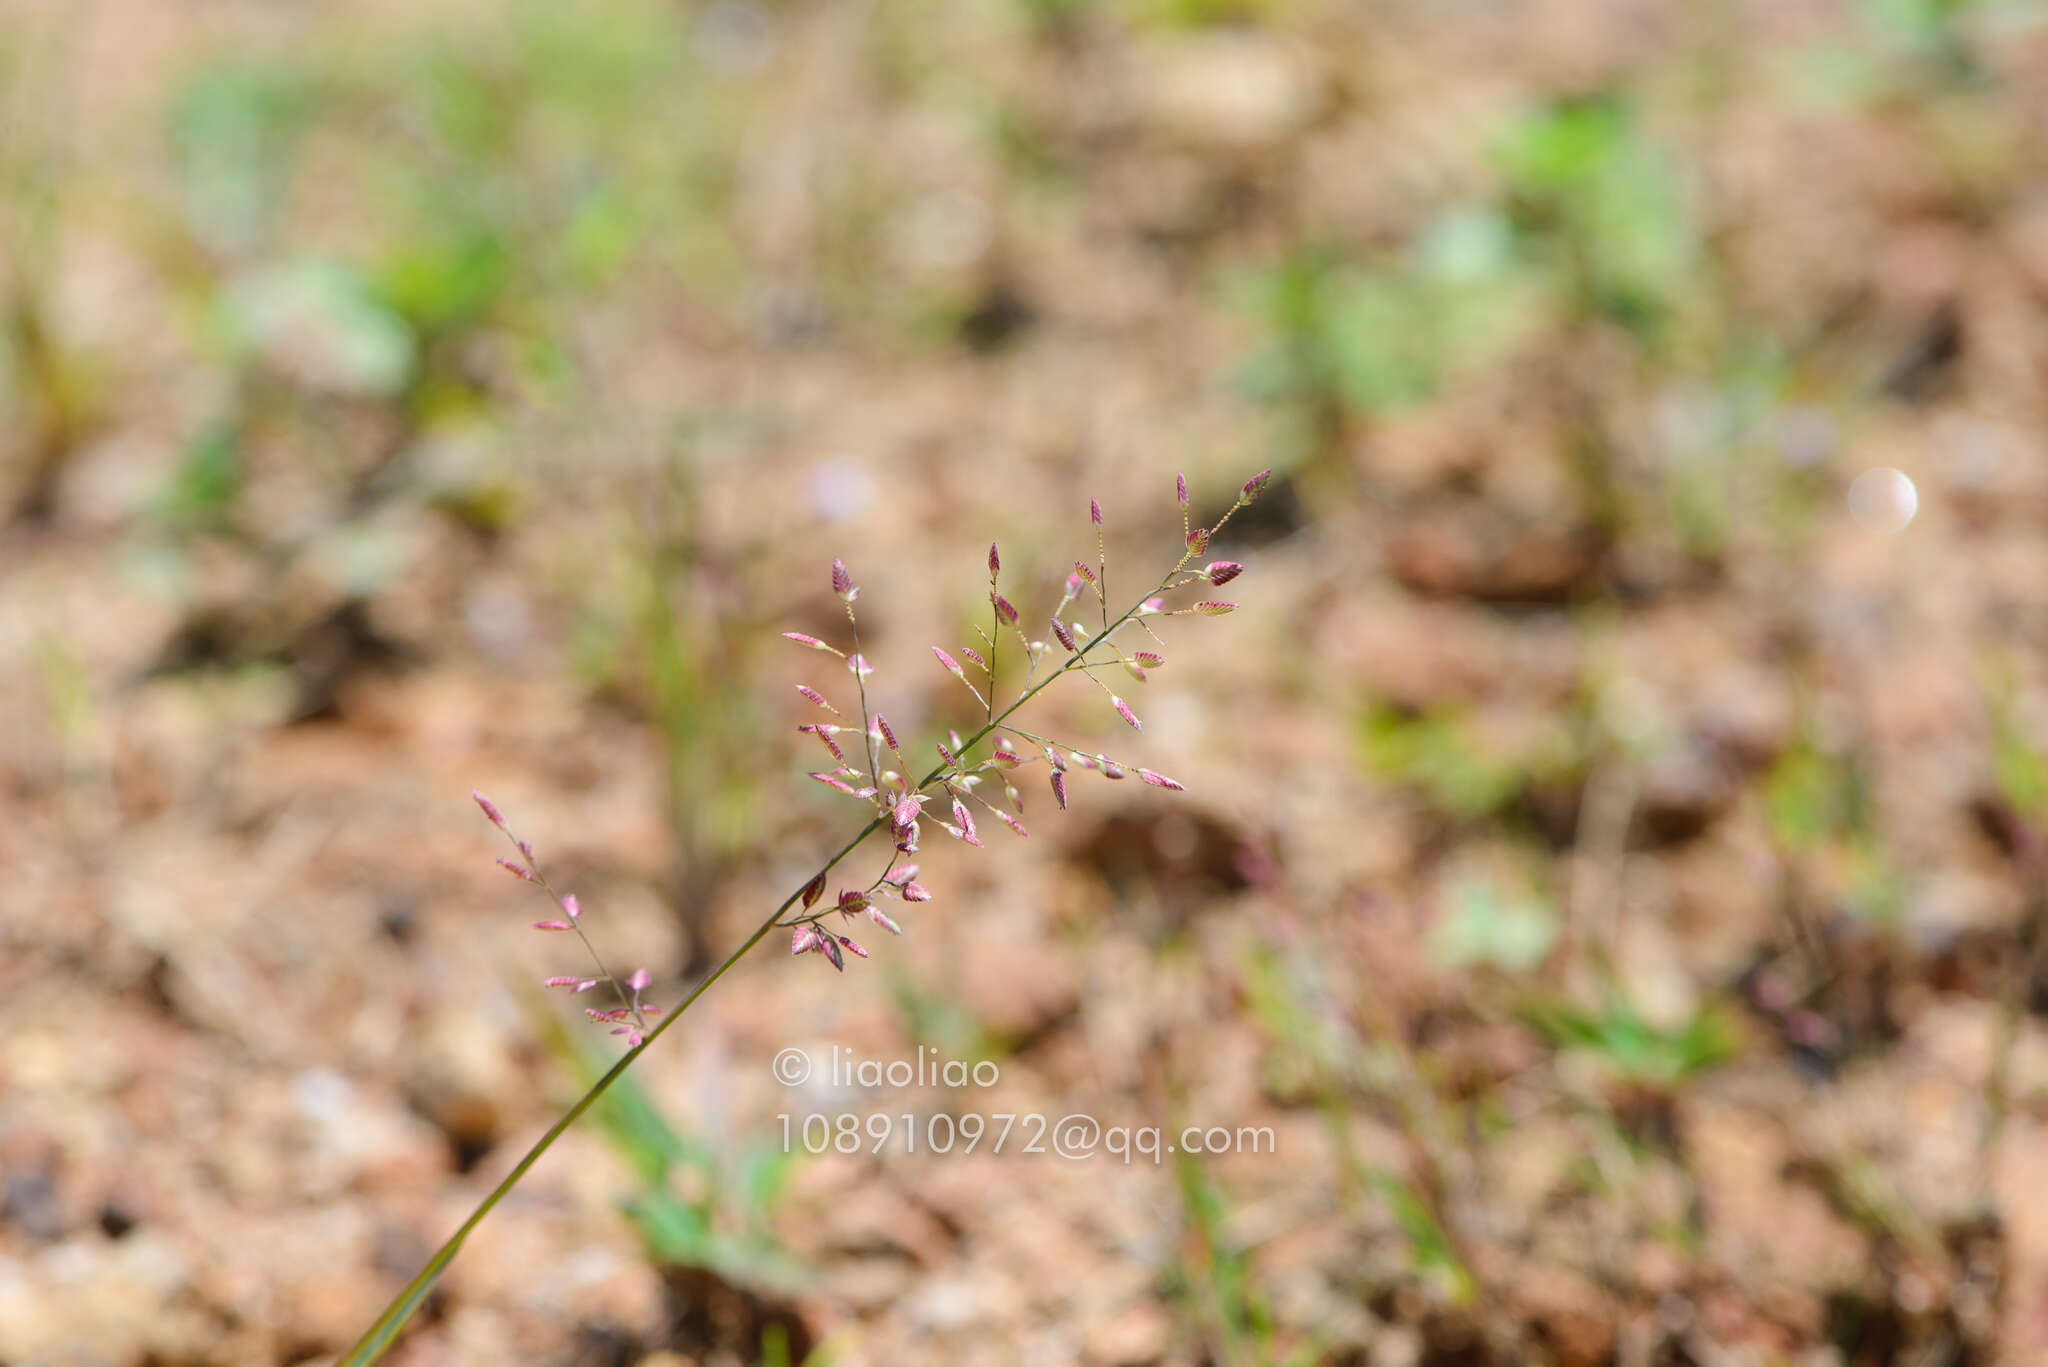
(813, 642)
(1158, 780)
(1004, 610)
(1220, 572)
(824, 735)
(1012, 822)
(882, 919)
(572, 908)
(842, 582)
(1095, 512)
(1214, 608)
(552, 925)
(803, 939)
(813, 890)
(1180, 489)
(490, 809)
(814, 695)
(1123, 710)
(1059, 788)
(951, 665)
(1252, 487)
(521, 874)
(1198, 540)
(852, 947)
(975, 656)
(1060, 634)
(1149, 659)
(1085, 573)
(640, 979)
(560, 982)
(995, 562)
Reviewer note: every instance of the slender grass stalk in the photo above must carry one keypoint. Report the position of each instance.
(385, 1331)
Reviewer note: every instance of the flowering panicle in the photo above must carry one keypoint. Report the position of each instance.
(899, 801)
(894, 800)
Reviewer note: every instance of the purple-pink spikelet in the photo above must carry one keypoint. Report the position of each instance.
(1123, 710)
(1180, 489)
(842, 582)
(906, 810)
(490, 809)
(1095, 512)
(1220, 572)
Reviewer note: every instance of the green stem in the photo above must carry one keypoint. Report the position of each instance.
(372, 1345)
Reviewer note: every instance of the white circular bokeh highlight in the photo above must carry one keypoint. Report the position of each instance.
(1883, 500)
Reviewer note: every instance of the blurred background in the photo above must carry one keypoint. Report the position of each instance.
(1613, 859)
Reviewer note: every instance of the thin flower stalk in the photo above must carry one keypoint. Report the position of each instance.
(896, 806)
